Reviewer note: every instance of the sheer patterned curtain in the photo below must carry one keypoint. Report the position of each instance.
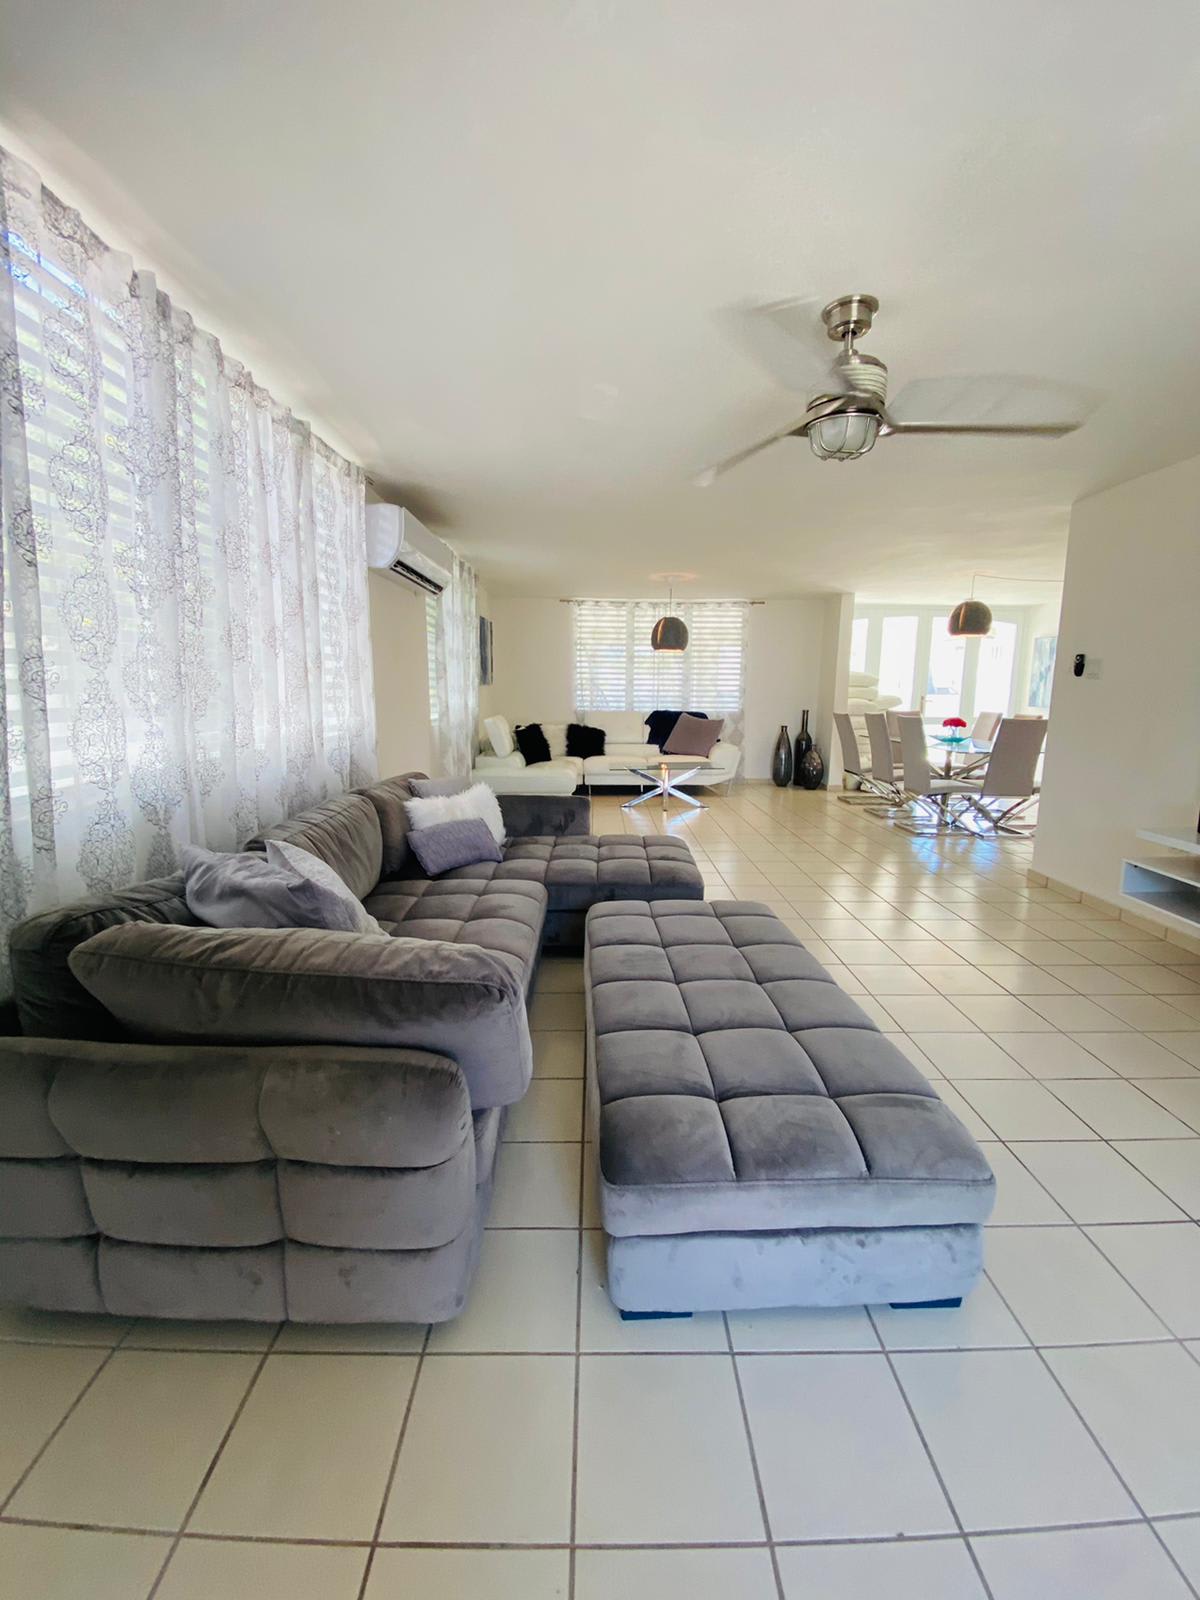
(185, 635)
(456, 644)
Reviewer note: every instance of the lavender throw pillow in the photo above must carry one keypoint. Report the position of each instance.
(447, 845)
(693, 736)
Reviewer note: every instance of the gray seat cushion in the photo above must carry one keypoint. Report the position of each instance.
(577, 871)
(741, 1089)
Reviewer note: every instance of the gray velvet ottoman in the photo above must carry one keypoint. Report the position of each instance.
(761, 1143)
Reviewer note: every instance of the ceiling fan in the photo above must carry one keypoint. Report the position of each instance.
(850, 412)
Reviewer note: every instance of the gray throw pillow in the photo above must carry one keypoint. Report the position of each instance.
(693, 736)
(286, 888)
(447, 845)
(426, 788)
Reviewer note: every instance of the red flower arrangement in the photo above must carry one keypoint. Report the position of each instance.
(953, 722)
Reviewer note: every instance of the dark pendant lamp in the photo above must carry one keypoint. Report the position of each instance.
(669, 634)
(970, 619)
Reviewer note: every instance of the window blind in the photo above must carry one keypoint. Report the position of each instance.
(616, 669)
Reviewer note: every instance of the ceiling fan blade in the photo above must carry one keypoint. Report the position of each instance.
(787, 337)
(1033, 430)
(1005, 402)
(704, 479)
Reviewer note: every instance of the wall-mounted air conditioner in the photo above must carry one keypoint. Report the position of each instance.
(401, 547)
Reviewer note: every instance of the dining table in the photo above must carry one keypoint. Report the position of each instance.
(961, 754)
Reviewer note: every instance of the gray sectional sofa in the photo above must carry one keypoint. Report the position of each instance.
(287, 1123)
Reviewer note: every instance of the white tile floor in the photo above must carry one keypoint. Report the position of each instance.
(1042, 1441)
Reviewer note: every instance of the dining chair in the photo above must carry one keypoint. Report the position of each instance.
(1009, 785)
(985, 727)
(871, 792)
(883, 760)
(932, 797)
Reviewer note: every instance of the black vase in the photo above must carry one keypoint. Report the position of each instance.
(812, 770)
(803, 745)
(781, 761)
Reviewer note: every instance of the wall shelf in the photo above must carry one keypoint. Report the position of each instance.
(1173, 838)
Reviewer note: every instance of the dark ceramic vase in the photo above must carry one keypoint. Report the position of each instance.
(803, 745)
(781, 761)
(812, 770)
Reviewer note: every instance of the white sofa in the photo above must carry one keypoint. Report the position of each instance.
(625, 746)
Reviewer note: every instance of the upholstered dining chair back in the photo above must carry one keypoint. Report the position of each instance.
(1012, 765)
(914, 756)
(882, 766)
(852, 761)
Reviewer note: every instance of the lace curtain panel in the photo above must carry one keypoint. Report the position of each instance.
(185, 630)
(456, 684)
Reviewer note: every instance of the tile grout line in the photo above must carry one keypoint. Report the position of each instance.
(1091, 1433)
(578, 1365)
(63, 1420)
(936, 1470)
(758, 1483)
(206, 1478)
(393, 1464)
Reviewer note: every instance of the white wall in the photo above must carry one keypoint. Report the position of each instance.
(1124, 749)
(785, 644)
(792, 656)
(401, 676)
(534, 678)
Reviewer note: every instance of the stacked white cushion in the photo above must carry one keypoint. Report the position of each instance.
(881, 702)
(863, 680)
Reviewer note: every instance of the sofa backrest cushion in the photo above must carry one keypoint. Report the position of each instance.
(309, 986)
(621, 727)
(343, 833)
(51, 1002)
(388, 797)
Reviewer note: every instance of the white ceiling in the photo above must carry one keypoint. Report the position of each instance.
(492, 246)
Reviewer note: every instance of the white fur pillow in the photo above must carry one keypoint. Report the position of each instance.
(477, 801)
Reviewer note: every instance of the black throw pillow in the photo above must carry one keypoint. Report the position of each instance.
(584, 741)
(660, 724)
(532, 743)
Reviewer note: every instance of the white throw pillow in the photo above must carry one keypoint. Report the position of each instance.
(500, 735)
(556, 738)
(863, 680)
(477, 801)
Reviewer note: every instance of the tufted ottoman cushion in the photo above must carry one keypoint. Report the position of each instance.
(738, 1090)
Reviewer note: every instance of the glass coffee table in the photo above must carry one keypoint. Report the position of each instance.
(663, 778)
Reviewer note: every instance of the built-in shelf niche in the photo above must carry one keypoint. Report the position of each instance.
(1167, 884)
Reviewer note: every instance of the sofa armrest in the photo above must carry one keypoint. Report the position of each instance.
(529, 815)
(307, 986)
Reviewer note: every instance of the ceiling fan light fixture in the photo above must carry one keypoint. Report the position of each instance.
(844, 435)
(970, 619)
(669, 636)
